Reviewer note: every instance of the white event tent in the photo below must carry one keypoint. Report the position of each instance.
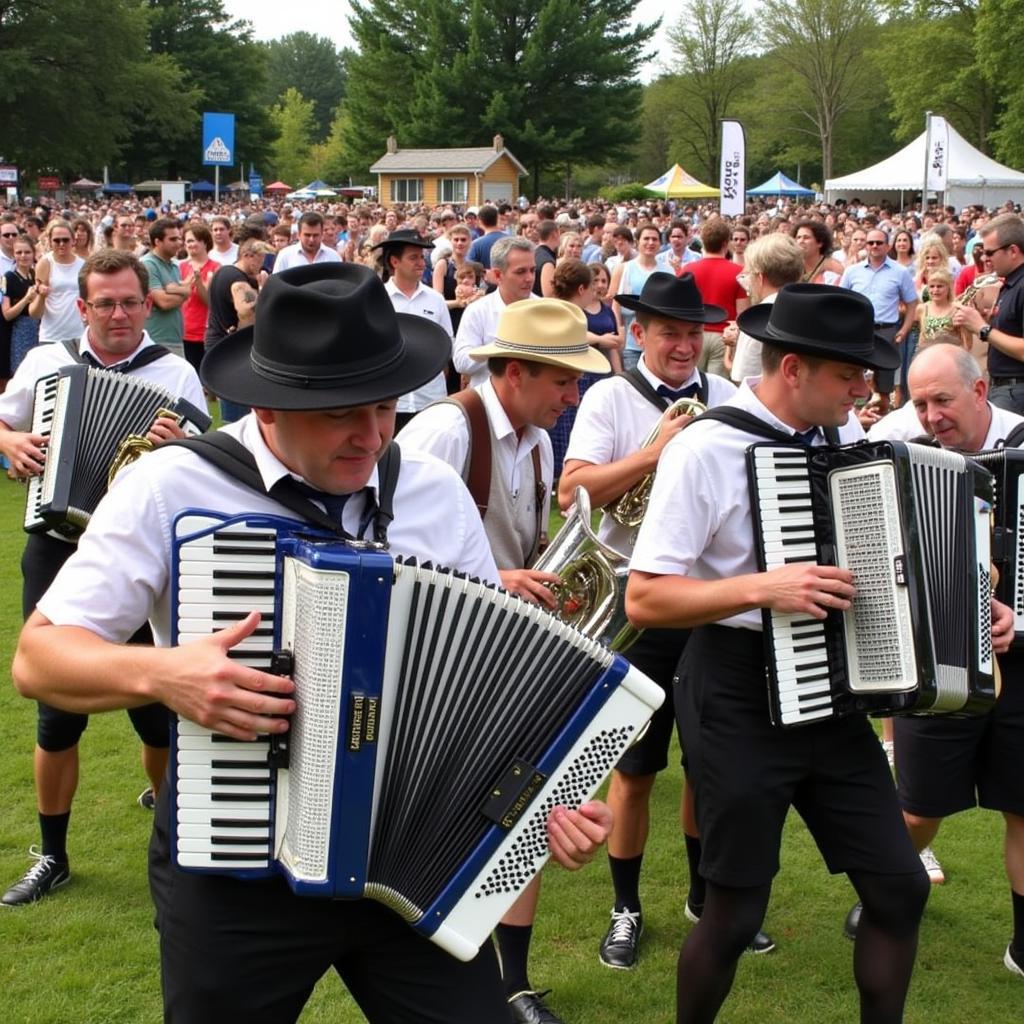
(972, 177)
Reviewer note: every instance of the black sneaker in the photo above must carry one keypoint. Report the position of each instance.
(46, 874)
(147, 799)
(1013, 961)
(621, 945)
(762, 942)
(530, 1008)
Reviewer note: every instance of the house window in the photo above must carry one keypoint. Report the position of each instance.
(453, 190)
(406, 190)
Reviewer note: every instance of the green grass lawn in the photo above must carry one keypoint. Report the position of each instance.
(89, 954)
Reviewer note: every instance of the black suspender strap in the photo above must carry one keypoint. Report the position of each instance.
(640, 382)
(748, 422)
(148, 355)
(234, 459)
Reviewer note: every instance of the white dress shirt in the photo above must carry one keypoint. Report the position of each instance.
(170, 372)
(442, 431)
(477, 328)
(902, 424)
(121, 573)
(430, 305)
(293, 256)
(613, 421)
(698, 520)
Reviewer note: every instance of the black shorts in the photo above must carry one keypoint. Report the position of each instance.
(58, 730)
(233, 950)
(656, 653)
(945, 765)
(747, 773)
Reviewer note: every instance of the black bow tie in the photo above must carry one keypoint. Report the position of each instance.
(807, 437)
(90, 360)
(690, 391)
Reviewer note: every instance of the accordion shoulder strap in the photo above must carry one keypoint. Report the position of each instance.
(148, 355)
(743, 420)
(1015, 437)
(234, 459)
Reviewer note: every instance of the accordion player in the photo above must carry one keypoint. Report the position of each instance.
(89, 415)
(438, 721)
(913, 525)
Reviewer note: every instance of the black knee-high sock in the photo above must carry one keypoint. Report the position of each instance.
(54, 831)
(696, 896)
(626, 881)
(1018, 921)
(514, 949)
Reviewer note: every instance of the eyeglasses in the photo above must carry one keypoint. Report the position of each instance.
(9, 234)
(991, 252)
(869, 242)
(106, 307)
(60, 241)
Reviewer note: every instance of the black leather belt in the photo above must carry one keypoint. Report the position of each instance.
(895, 323)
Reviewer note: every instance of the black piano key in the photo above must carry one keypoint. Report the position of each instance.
(238, 823)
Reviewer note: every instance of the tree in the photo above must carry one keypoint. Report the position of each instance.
(998, 39)
(75, 80)
(295, 123)
(929, 62)
(709, 41)
(823, 43)
(223, 70)
(312, 65)
(543, 73)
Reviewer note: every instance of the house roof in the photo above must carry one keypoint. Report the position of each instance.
(473, 160)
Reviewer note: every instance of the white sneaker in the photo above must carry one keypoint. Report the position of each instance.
(1010, 961)
(931, 864)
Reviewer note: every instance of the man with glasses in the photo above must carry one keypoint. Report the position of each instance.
(886, 284)
(8, 236)
(167, 290)
(678, 251)
(1002, 241)
(114, 302)
(123, 237)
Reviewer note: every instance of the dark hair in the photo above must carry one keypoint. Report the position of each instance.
(570, 276)
(160, 227)
(822, 235)
(83, 223)
(714, 235)
(312, 218)
(112, 261)
(896, 234)
(488, 215)
(497, 365)
(545, 229)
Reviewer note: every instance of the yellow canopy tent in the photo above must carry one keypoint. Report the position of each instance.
(676, 183)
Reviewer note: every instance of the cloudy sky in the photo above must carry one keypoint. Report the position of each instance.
(268, 23)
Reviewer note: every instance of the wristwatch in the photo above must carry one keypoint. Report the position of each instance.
(985, 332)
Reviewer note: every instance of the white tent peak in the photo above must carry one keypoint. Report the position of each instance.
(972, 176)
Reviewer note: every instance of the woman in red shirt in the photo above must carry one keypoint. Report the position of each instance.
(196, 271)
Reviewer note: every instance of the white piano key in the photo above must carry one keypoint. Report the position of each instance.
(204, 817)
(224, 808)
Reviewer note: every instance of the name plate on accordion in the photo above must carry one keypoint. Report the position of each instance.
(913, 525)
(438, 720)
(86, 413)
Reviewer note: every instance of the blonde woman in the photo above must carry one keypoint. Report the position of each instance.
(55, 305)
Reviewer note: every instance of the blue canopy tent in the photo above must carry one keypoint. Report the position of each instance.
(315, 186)
(200, 186)
(117, 188)
(779, 185)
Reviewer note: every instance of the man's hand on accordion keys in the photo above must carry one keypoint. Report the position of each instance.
(803, 587)
(575, 836)
(204, 685)
(25, 452)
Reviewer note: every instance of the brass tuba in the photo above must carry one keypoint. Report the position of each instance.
(968, 296)
(592, 592)
(629, 509)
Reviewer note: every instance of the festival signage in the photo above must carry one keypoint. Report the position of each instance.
(218, 140)
(938, 154)
(8, 175)
(731, 178)
(49, 184)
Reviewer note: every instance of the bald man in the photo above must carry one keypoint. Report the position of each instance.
(946, 765)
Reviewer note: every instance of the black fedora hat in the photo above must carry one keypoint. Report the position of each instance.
(326, 336)
(674, 298)
(821, 320)
(404, 236)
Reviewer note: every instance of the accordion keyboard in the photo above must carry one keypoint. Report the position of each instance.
(224, 787)
(42, 422)
(799, 642)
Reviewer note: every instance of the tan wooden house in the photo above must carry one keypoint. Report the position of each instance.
(462, 177)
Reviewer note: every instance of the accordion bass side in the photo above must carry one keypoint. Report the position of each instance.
(86, 413)
(438, 721)
(913, 524)
(1007, 468)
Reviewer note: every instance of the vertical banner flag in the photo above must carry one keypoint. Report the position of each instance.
(938, 154)
(218, 140)
(732, 183)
